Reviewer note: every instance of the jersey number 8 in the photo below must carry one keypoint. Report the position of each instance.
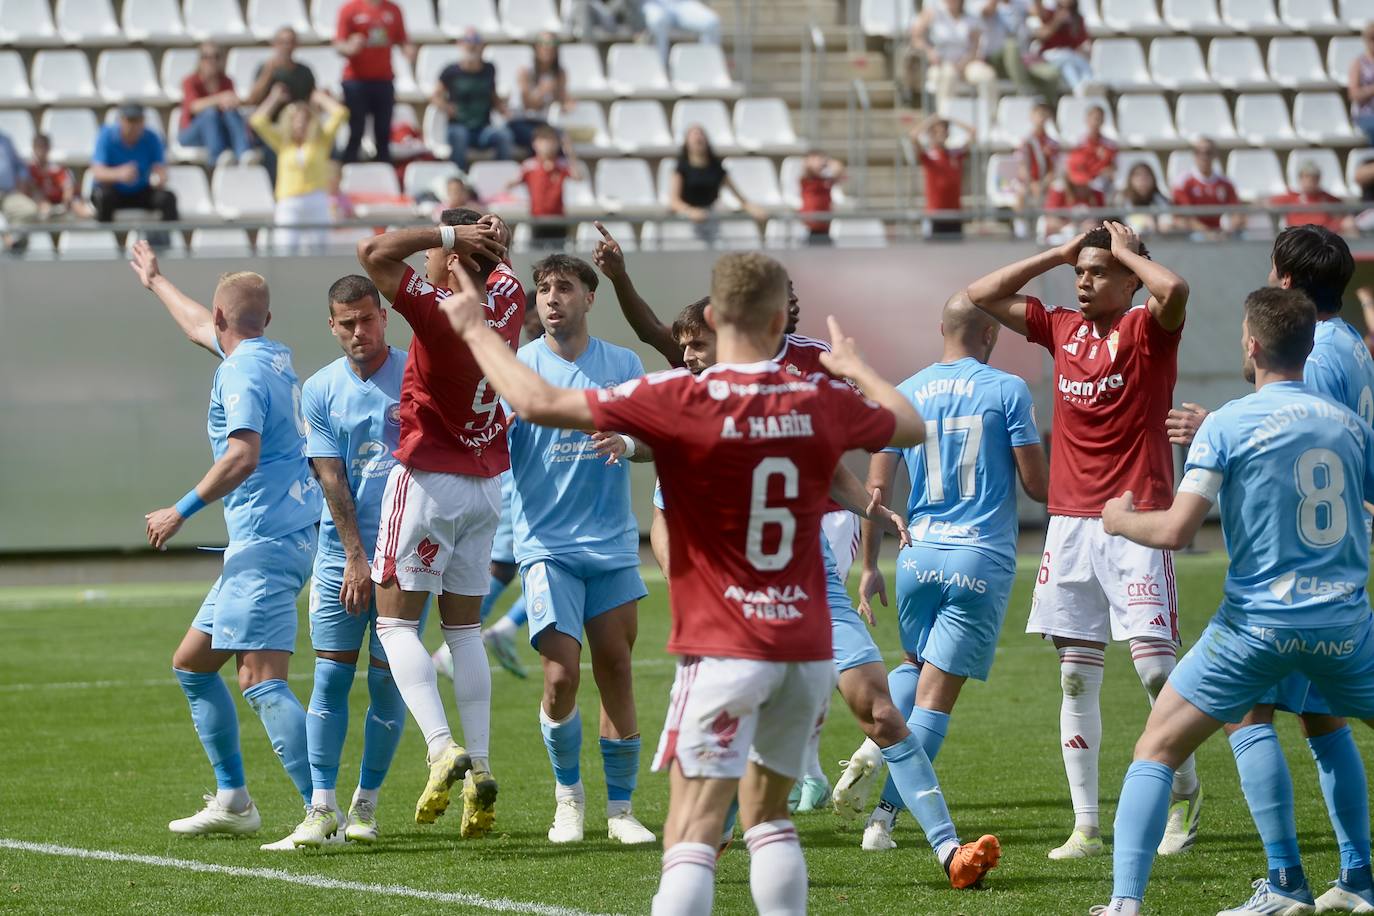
(1322, 516)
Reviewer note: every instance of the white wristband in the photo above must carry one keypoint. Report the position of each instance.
(629, 447)
(448, 237)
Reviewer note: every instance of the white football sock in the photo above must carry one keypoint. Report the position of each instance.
(813, 766)
(1154, 661)
(326, 797)
(413, 672)
(236, 800)
(471, 687)
(575, 791)
(885, 813)
(777, 869)
(367, 795)
(1080, 728)
(687, 886)
(505, 627)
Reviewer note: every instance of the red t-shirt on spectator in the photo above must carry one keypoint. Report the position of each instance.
(1092, 157)
(1073, 34)
(1059, 198)
(193, 89)
(944, 177)
(816, 198)
(1195, 190)
(51, 180)
(1040, 155)
(383, 26)
(1330, 221)
(545, 185)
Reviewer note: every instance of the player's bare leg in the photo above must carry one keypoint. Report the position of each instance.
(611, 637)
(461, 619)
(696, 817)
(1154, 659)
(1080, 734)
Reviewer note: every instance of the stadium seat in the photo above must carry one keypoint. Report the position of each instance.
(1072, 118)
(765, 125)
(713, 117)
(1205, 114)
(585, 71)
(1324, 119)
(40, 247)
(1092, 17)
(585, 126)
(1311, 17)
(785, 233)
(639, 126)
(1194, 17)
(17, 124)
(509, 60)
(244, 192)
(407, 89)
(1132, 17)
(887, 18)
(625, 186)
(221, 243)
(1002, 172)
(177, 64)
(14, 82)
(430, 62)
(1333, 176)
(62, 78)
(1235, 64)
(1295, 63)
(1013, 121)
(153, 22)
(964, 110)
(241, 65)
(856, 232)
(457, 16)
(1145, 120)
(586, 237)
(87, 22)
(100, 243)
(1127, 159)
(579, 197)
(700, 69)
(1357, 11)
(425, 177)
(739, 235)
(327, 65)
(1120, 63)
(1253, 17)
(215, 20)
(523, 20)
(1353, 162)
(1176, 63)
(27, 23)
(192, 189)
(1255, 173)
(1340, 53)
(489, 180)
(324, 18)
(127, 75)
(757, 177)
(663, 182)
(434, 129)
(637, 70)
(1262, 120)
(671, 235)
(175, 151)
(266, 16)
(420, 24)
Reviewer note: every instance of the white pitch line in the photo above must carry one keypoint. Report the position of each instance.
(492, 904)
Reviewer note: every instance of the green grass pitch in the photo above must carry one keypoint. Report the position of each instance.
(98, 754)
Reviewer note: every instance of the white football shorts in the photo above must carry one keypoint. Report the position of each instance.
(841, 529)
(436, 531)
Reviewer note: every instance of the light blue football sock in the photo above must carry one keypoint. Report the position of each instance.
(909, 768)
(1341, 772)
(564, 743)
(930, 728)
(495, 589)
(283, 717)
(620, 761)
(217, 724)
(326, 720)
(386, 717)
(1268, 790)
(901, 685)
(517, 614)
(1141, 815)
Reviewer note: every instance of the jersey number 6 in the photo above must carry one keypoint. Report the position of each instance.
(762, 515)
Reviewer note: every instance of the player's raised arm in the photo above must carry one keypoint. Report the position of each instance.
(383, 256)
(610, 260)
(999, 293)
(239, 461)
(1166, 529)
(1168, 291)
(844, 361)
(193, 318)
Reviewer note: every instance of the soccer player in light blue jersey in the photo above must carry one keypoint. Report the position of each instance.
(577, 545)
(271, 508)
(1291, 471)
(1317, 262)
(954, 580)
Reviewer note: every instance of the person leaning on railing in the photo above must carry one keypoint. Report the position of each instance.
(304, 168)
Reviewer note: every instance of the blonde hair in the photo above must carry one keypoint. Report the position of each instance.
(242, 296)
(748, 290)
(288, 111)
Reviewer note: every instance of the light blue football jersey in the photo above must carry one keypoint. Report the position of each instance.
(1295, 471)
(1340, 367)
(256, 389)
(963, 477)
(566, 498)
(359, 422)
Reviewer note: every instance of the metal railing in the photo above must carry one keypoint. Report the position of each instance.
(813, 78)
(860, 108)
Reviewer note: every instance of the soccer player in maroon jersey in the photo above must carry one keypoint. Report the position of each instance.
(443, 498)
(1114, 369)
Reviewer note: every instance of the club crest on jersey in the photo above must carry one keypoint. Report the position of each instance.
(718, 389)
(1113, 341)
(393, 415)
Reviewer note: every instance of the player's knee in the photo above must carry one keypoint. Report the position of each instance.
(560, 684)
(1154, 678)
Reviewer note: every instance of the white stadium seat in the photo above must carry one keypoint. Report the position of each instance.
(1353, 162)
(1252, 17)
(457, 16)
(406, 87)
(153, 22)
(1205, 114)
(1145, 120)
(221, 243)
(887, 18)
(1262, 120)
(27, 23)
(1120, 63)
(700, 69)
(1092, 17)
(1176, 63)
(241, 65)
(739, 235)
(639, 126)
(672, 235)
(579, 198)
(215, 20)
(1194, 17)
(96, 244)
(713, 117)
(1013, 122)
(62, 78)
(855, 232)
(663, 182)
(757, 177)
(586, 237)
(127, 75)
(1295, 63)
(175, 151)
(18, 126)
(1132, 17)
(1333, 177)
(14, 82)
(509, 60)
(1180, 164)
(177, 64)
(489, 179)
(1340, 54)
(266, 16)
(1357, 10)
(637, 70)
(430, 62)
(324, 18)
(434, 129)
(425, 177)
(765, 125)
(1127, 159)
(1235, 64)
(419, 19)
(1255, 173)
(244, 192)
(1002, 173)
(87, 22)
(192, 189)
(585, 126)
(785, 233)
(523, 20)
(625, 186)
(1311, 17)
(1324, 119)
(585, 72)
(1072, 118)
(327, 65)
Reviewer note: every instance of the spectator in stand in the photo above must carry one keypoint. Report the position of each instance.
(1037, 159)
(539, 87)
(129, 167)
(696, 184)
(1205, 185)
(1095, 155)
(1064, 43)
(944, 172)
(1003, 24)
(819, 175)
(453, 193)
(587, 18)
(283, 69)
(543, 175)
(1361, 85)
(52, 186)
(1310, 191)
(1066, 205)
(467, 92)
(1141, 192)
(17, 206)
(951, 41)
(210, 115)
(663, 16)
(305, 169)
(367, 31)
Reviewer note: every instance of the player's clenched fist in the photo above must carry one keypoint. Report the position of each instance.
(162, 525)
(1116, 510)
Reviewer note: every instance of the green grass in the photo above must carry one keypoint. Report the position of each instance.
(98, 753)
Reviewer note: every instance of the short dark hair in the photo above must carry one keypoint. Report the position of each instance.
(568, 266)
(692, 319)
(1318, 261)
(1284, 322)
(459, 216)
(1099, 237)
(350, 289)
(544, 130)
